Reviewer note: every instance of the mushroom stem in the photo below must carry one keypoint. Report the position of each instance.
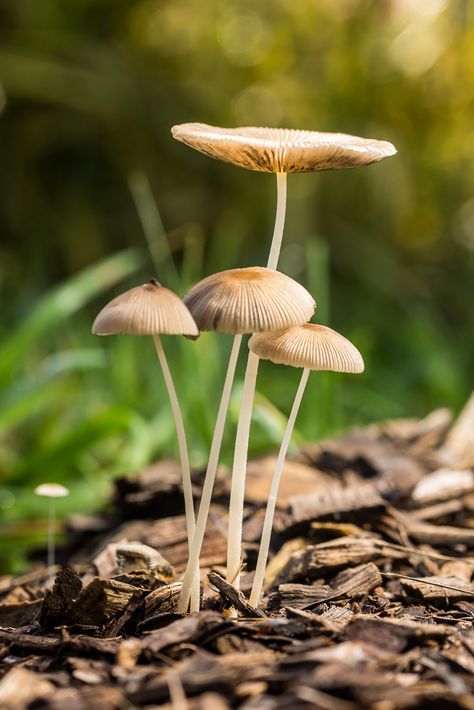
(239, 468)
(195, 550)
(51, 531)
(279, 222)
(272, 498)
(237, 491)
(184, 459)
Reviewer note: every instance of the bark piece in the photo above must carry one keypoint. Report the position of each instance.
(317, 560)
(443, 484)
(205, 671)
(190, 629)
(20, 687)
(155, 489)
(233, 596)
(354, 583)
(281, 560)
(367, 453)
(24, 644)
(163, 600)
(358, 502)
(169, 536)
(337, 616)
(434, 534)
(21, 614)
(100, 601)
(137, 556)
(57, 602)
(459, 445)
(104, 697)
(428, 432)
(334, 619)
(436, 589)
(298, 596)
(394, 635)
(297, 479)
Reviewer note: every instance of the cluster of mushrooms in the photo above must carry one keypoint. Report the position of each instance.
(258, 300)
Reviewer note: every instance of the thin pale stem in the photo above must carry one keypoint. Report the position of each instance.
(279, 222)
(195, 551)
(239, 468)
(237, 492)
(184, 458)
(272, 498)
(51, 531)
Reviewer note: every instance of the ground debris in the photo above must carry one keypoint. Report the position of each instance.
(369, 594)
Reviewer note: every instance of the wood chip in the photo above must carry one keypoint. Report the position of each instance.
(436, 588)
(233, 597)
(20, 687)
(316, 560)
(357, 502)
(443, 484)
(459, 446)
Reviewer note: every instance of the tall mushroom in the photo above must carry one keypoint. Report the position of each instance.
(152, 309)
(280, 151)
(312, 347)
(237, 301)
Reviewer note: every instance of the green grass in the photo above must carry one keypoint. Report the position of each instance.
(82, 410)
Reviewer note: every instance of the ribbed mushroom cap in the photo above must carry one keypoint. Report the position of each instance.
(248, 301)
(51, 490)
(282, 150)
(310, 345)
(149, 309)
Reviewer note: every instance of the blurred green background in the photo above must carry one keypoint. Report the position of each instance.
(91, 181)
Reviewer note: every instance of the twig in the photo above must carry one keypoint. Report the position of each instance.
(394, 575)
(234, 596)
(422, 553)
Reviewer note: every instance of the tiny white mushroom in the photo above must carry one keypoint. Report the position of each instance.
(51, 491)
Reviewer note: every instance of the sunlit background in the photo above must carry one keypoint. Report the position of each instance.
(93, 188)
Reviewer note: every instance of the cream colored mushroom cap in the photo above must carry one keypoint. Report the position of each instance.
(249, 300)
(313, 346)
(51, 490)
(282, 150)
(149, 309)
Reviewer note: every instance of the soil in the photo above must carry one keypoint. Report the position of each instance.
(368, 599)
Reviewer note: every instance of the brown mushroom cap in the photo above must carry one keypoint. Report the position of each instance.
(248, 301)
(282, 150)
(313, 346)
(149, 309)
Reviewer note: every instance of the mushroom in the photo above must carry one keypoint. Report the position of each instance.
(282, 151)
(51, 491)
(152, 309)
(237, 301)
(312, 347)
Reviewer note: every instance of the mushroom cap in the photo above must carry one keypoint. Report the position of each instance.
(149, 309)
(282, 150)
(51, 490)
(313, 346)
(249, 300)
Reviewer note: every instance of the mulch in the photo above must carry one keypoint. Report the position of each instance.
(368, 598)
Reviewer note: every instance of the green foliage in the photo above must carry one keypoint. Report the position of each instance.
(49, 428)
(88, 93)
